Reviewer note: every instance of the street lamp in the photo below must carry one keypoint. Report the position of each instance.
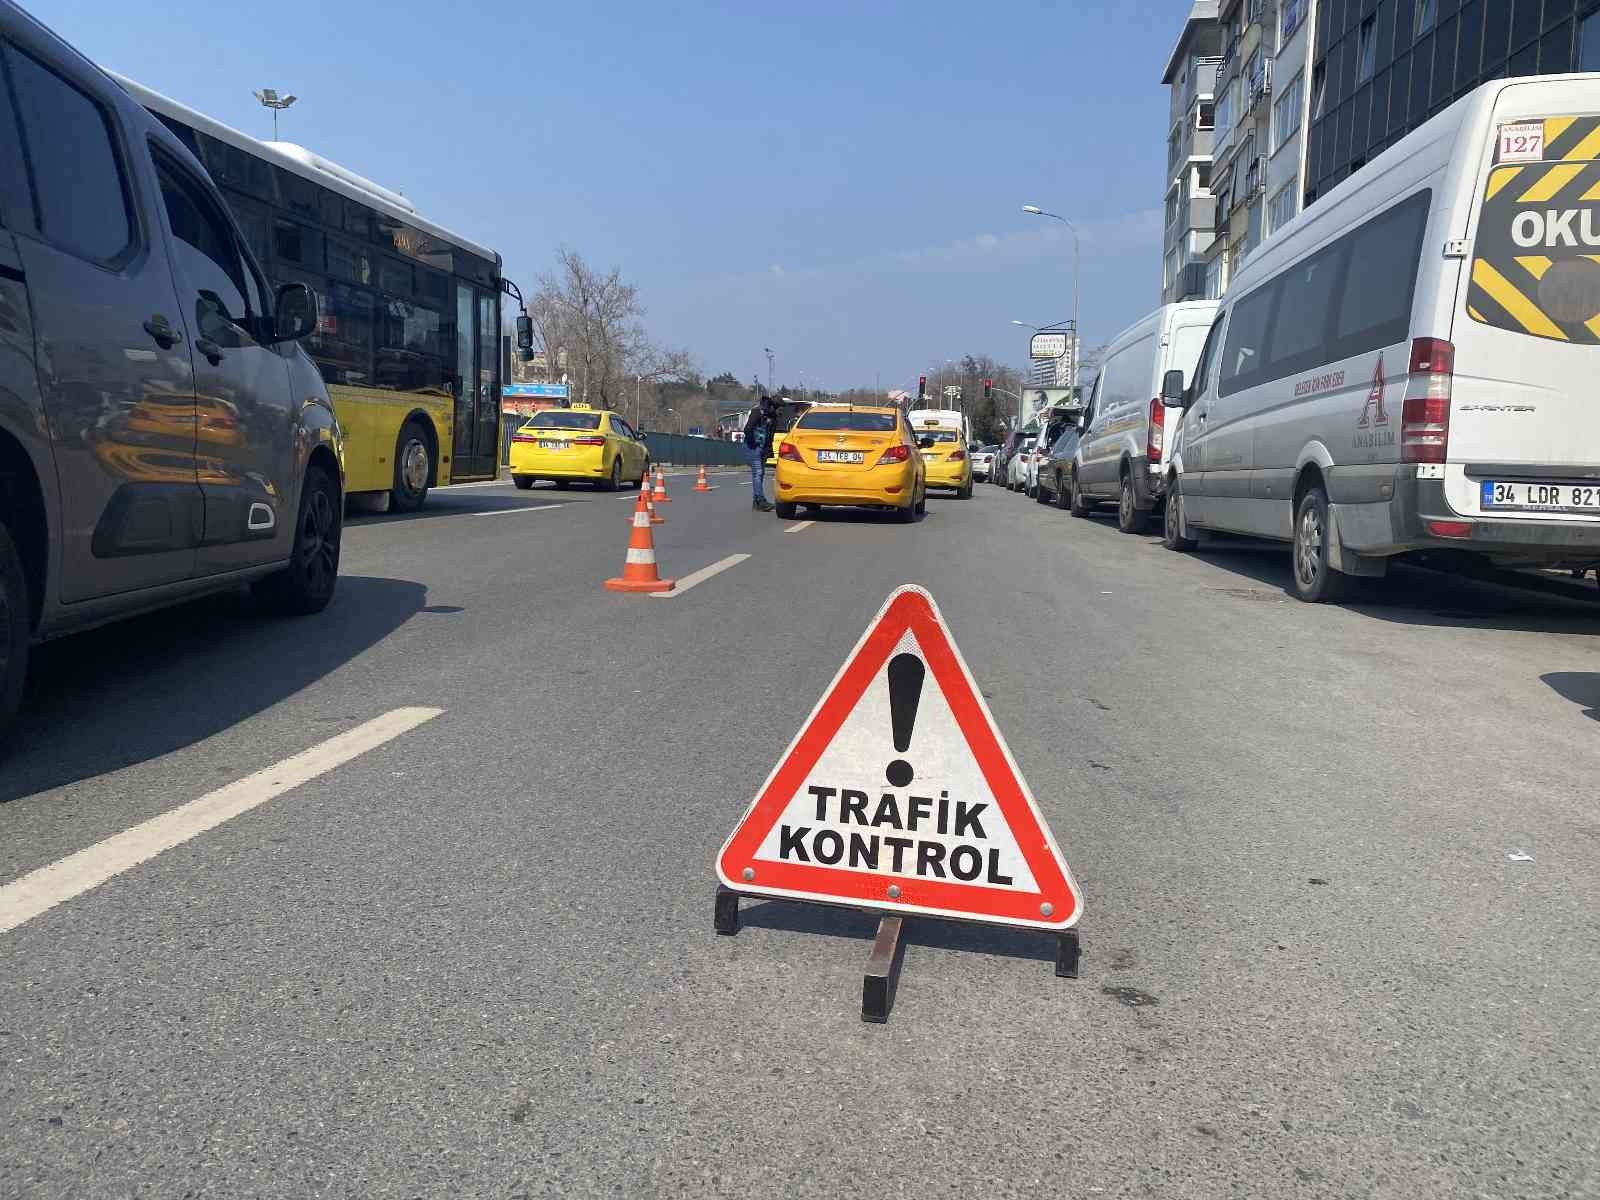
(270, 99)
(768, 350)
(1033, 210)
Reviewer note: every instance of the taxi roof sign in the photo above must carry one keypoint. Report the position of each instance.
(846, 818)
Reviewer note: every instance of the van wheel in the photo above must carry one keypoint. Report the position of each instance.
(15, 628)
(1129, 518)
(1173, 536)
(412, 468)
(1314, 580)
(523, 482)
(306, 585)
(1079, 506)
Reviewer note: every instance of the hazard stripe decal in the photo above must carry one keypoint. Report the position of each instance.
(1501, 177)
(1554, 179)
(1505, 293)
(1563, 136)
(1554, 127)
(1588, 148)
(1534, 264)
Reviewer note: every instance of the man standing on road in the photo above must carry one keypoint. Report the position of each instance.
(757, 441)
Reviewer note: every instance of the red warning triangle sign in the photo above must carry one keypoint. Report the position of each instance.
(899, 793)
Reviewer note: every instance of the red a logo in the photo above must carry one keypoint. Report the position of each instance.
(1374, 400)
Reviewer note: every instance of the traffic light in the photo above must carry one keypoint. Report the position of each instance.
(922, 387)
(988, 389)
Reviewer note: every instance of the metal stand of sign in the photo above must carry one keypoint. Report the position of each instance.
(883, 972)
(1067, 954)
(726, 920)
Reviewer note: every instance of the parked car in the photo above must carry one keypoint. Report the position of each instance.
(982, 461)
(999, 471)
(1408, 369)
(1056, 421)
(162, 433)
(1123, 452)
(1017, 468)
(1055, 473)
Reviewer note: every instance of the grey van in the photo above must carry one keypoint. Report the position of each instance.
(162, 433)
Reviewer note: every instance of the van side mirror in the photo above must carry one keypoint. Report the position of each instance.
(1172, 389)
(525, 338)
(294, 315)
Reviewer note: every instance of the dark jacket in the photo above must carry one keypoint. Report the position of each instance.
(758, 431)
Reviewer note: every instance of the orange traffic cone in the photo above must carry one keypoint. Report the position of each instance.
(700, 485)
(660, 496)
(639, 570)
(644, 503)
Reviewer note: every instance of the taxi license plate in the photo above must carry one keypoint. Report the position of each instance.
(552, 445)
(839, 456)
(1501, 496)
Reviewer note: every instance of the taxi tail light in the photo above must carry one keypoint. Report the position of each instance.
(1425, 412)
(524, 437)
(958, 456)
(895, 454)
(787, 450)
(1158, 431)
(589, 441)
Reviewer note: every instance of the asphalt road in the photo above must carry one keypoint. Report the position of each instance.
(1341, 871)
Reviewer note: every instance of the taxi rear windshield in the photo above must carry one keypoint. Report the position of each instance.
(556, 419)
(939, 435)
(855, 422)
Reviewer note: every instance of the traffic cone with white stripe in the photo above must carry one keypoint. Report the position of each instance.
(700, 485)
(660, 496)
(639, 569)
(644, 503)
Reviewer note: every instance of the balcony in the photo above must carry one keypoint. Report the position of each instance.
(1257, 86)
(1229, 53)
(1255, 180)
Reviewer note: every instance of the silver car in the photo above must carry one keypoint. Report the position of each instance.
(162, 433)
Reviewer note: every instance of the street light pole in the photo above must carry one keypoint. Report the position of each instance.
(1077, 334)
(638, 386)
(770, 361)
(270, 99)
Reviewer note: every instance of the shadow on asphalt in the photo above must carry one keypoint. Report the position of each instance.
(858, 516)
(141, 688)
(797, 917)
(1581, 687)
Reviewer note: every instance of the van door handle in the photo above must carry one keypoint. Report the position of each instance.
(162, 332)
(210, 349)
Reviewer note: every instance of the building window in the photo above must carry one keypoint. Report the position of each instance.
(1282, 209)
(1427, 14)
(1206, 118)
(1366, 49)
(1202, 179)
(1170, 272)
(1286, 113)
(1319, 89)
(1589, 43)
(1289, 20)
(1252, 234)
(1224, 112)
(1214, 279)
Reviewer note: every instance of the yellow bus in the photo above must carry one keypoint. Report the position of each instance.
(408, 334)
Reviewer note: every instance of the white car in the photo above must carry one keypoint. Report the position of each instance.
(982, 463)
(1019, 470)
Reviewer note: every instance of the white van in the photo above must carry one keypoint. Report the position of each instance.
(1122, 455)
(1410, 367)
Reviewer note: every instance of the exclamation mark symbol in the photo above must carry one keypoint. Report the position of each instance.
(905, 692)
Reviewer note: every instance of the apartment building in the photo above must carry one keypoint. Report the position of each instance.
(1382, 67)
(1240, 138)
(1190, 209)
(1291, 102)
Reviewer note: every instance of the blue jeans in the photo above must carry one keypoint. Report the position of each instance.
(758, 471)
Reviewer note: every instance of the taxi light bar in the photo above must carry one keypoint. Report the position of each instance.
(895, 454)
(787, 450)
(589, 441)
(1425, 412)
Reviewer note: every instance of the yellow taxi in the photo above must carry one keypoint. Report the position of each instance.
(949, 464)
(842, 454)
(590, 445)
(784, 414)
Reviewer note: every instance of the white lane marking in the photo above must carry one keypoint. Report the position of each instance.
(700, 576)
(39, 891)
(796, 528)
(500, 512)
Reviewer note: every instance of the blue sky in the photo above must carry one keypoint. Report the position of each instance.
(839, 181)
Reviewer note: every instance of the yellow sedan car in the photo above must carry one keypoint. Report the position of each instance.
(840, 454)
(949, 465)
(580, 443)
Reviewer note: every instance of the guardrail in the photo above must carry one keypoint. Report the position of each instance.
(675, 449)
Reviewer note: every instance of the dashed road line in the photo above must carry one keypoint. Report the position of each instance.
(700, 576)
(39, 891)
(500, 512)
(798, 526)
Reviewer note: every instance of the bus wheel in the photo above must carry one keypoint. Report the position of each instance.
(14, 628)
(412, 467)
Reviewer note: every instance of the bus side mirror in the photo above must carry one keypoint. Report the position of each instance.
(525, 338)
(1172, 389)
